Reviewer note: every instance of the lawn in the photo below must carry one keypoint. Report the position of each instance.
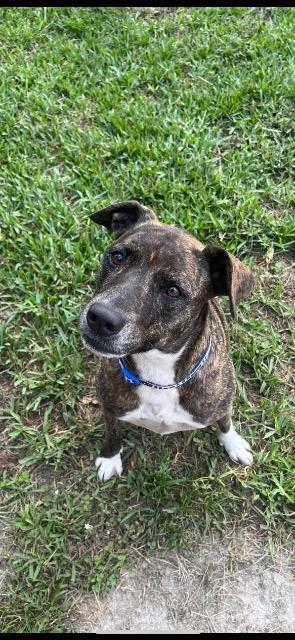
(190, 111)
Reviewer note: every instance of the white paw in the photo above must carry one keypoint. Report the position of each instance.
(109, 467)
(237, 448)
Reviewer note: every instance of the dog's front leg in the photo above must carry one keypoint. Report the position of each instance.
(109, 461)
(237, 448)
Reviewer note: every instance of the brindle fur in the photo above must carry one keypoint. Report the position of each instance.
(165, 253)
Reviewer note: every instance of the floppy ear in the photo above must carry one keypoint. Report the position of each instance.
(121, 216)
(228, 276)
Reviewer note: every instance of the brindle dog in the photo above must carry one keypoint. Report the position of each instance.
(155, 306)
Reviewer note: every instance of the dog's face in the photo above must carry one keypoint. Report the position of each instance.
(153, 282)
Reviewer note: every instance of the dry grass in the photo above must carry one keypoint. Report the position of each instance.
(221, 583)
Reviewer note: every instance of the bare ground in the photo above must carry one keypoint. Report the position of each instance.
(222, 583)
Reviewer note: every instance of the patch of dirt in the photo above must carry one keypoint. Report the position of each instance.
(222, 583)
(6, 391)
(277, 269)
(8, 458)
(3, 568)
(157, 12)
(273, 208)
(8, 462)
(6, 546)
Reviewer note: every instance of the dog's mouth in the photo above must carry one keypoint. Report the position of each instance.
(93, 344)
(98, 347)
(90, 342)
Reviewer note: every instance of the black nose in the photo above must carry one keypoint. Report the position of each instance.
(104, 322)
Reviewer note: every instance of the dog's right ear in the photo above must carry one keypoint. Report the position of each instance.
(121, 216)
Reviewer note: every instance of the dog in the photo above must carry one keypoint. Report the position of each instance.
(156, 321)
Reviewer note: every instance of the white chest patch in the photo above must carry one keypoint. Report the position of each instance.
(159, 409)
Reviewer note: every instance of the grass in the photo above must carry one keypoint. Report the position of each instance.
(192, 112)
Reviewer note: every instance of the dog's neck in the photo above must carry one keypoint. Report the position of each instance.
(157, 366)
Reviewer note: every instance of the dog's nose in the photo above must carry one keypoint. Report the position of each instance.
(104, 322)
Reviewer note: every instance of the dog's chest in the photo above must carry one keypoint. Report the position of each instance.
(159, 409)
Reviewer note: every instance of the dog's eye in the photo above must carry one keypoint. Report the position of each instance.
(116, 258)
(173, 292)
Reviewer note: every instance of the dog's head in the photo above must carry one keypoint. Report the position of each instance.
(153, 283)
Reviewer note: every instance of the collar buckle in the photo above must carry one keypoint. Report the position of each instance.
(128, 375)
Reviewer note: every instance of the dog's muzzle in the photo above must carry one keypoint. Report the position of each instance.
(101, 327)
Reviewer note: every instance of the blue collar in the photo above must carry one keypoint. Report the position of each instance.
(133, 379)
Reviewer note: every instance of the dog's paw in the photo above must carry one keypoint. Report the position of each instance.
(109, 467)
(237, 448)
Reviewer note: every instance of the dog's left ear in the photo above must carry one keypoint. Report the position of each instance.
(228, 276)
(121, 216)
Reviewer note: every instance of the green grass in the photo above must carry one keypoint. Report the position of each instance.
(191, 112)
